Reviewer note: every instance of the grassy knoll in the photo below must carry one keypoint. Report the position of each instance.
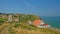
(24, 28)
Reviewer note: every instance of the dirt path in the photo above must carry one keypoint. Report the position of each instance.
(3, 29)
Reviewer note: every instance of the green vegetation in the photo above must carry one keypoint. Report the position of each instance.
(22, 27)
(25, 26)
(25, 18)
(11, 30)
(2, 20)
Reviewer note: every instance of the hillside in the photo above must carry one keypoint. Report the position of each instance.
(21, 26)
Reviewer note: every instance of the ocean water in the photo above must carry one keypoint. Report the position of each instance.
(53, 21)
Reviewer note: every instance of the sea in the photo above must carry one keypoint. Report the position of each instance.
(52, 21)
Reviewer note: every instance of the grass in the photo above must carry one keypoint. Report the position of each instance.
(2, 20)
(24, 28)
(11, 30)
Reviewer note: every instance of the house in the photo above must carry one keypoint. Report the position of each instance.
(16, 19)
(36, 22)
(9, 18)
(40, 23)
(30, 22)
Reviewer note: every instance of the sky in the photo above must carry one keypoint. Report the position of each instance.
(37, 7)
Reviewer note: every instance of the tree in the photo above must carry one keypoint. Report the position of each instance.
(2, 20)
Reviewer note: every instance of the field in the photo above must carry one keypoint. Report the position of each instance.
(24, 28)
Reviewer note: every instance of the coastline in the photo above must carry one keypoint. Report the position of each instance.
(55, 29)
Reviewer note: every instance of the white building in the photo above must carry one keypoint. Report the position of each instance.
(10, 18)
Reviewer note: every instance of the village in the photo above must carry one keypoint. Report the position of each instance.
(30, 19)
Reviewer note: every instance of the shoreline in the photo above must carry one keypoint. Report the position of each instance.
(56, 29)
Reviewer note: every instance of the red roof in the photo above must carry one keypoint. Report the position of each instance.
(45, 24)
(37, 22)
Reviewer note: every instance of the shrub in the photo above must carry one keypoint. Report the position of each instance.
(2, 20)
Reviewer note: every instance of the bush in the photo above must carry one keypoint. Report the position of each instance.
(17, 25)
(2, 20)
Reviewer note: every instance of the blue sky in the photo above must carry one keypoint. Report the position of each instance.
(38, 7)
